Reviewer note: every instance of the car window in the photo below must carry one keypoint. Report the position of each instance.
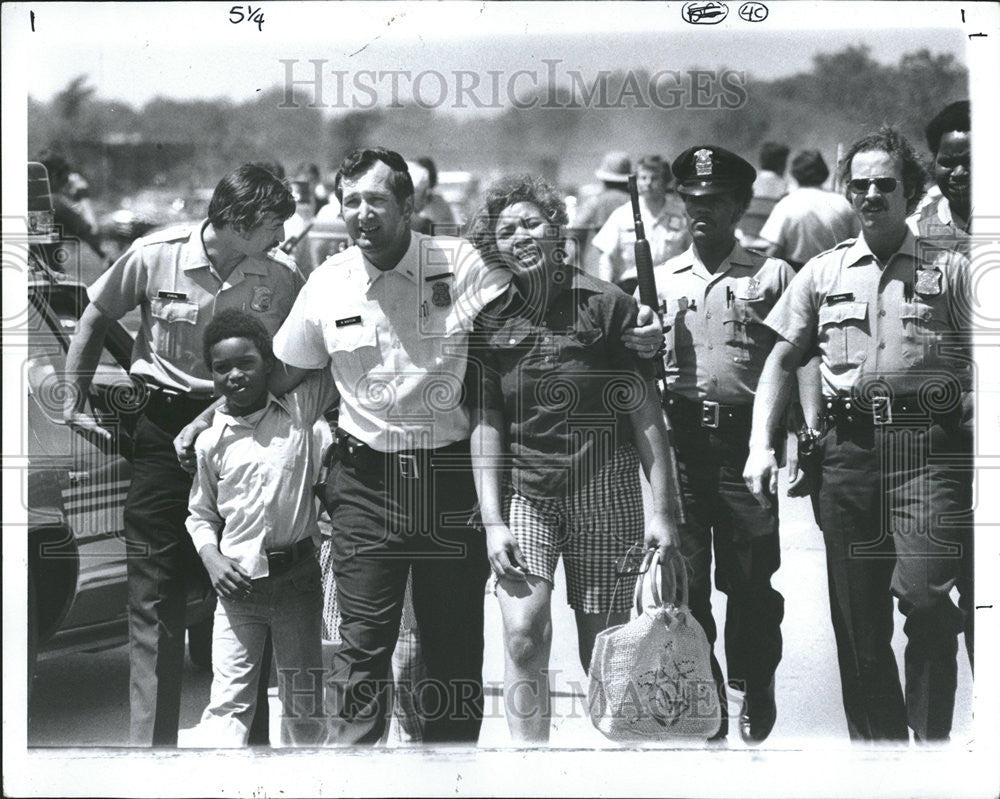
(46, 389)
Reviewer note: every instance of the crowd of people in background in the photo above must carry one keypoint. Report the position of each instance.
(470, 406)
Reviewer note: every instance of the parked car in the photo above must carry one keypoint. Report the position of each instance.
(77, 591)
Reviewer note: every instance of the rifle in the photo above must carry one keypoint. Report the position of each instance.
(648, 296)
(644, 264)
(290, 244)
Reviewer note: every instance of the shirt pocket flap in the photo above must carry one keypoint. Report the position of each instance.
(351, 337)
(842, 312)
(923, 312)
(171, 311)
(510, 337)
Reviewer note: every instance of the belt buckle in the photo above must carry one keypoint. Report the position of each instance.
(881, 409)
(408, 466)
(710, 414)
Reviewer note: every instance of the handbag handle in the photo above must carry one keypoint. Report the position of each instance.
(651, 566)
(673, 582)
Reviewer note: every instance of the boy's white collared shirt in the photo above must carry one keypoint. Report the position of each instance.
(254, 486)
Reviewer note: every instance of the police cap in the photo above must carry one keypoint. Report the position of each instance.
(707, 169)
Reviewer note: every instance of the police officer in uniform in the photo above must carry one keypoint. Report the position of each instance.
(715, 296)
(179, 279)
(891, 322)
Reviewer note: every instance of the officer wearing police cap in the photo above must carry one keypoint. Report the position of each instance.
(715, 296)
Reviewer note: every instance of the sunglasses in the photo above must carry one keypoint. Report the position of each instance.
(861, 185)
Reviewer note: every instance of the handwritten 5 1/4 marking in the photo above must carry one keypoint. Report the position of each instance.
(251, 15)
(753, 12)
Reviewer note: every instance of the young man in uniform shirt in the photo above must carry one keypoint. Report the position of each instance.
(178, 278)
(716, 295)
(662, 217)
(948, 216)
(891, 320)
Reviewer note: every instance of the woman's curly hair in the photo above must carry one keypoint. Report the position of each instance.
(481, 230)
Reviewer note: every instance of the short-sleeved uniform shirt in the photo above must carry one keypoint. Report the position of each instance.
(563, 380)
(395, 342)
(666, 232)
(906, 324)
(169, 277)
(809, 221)
(254, 487)
(934, 223)
(717, 342)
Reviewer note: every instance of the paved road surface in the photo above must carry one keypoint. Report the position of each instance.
(82, 700)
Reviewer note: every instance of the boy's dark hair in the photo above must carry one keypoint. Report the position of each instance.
(246, 195)
(954, 116)
(233, 323)
(773, 156)
(889, 140)
(809, 168)
(360, 161)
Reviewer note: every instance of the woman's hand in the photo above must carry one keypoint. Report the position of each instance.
(505, 555)
(661, 534)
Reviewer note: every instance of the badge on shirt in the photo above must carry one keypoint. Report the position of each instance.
(348, 320)
(441, 295)
(748, 288)
(833, 299)
(171, 295)
(261, 298)
(928, 282)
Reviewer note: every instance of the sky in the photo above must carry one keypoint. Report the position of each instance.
(133, 52)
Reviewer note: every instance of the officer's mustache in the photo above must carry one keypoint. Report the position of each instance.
(874, 204)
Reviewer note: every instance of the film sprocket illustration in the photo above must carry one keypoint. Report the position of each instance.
(124, 122)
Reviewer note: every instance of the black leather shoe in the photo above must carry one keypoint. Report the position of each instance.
(758, 715)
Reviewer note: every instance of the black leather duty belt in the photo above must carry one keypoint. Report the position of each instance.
(408, 464)
(881, 410)
(170, 408)
(281, 560)
(711, 415)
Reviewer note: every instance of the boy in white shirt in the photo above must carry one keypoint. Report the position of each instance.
(253, 523)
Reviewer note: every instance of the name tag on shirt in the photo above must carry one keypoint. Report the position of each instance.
(349, 320)
(833, 299)
(171, 295)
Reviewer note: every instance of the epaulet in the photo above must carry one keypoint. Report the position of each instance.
(175, 233)
(839, 246)
(282, 258)
(675, 264)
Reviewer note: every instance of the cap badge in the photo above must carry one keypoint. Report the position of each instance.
(703, 163)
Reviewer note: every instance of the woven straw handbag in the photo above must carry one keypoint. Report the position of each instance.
(651, 679)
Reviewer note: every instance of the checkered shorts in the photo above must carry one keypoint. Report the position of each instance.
(592, 529)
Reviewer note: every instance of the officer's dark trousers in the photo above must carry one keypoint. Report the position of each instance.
(162, 565)
(893, 509)
(723, 516)
(384, 524)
